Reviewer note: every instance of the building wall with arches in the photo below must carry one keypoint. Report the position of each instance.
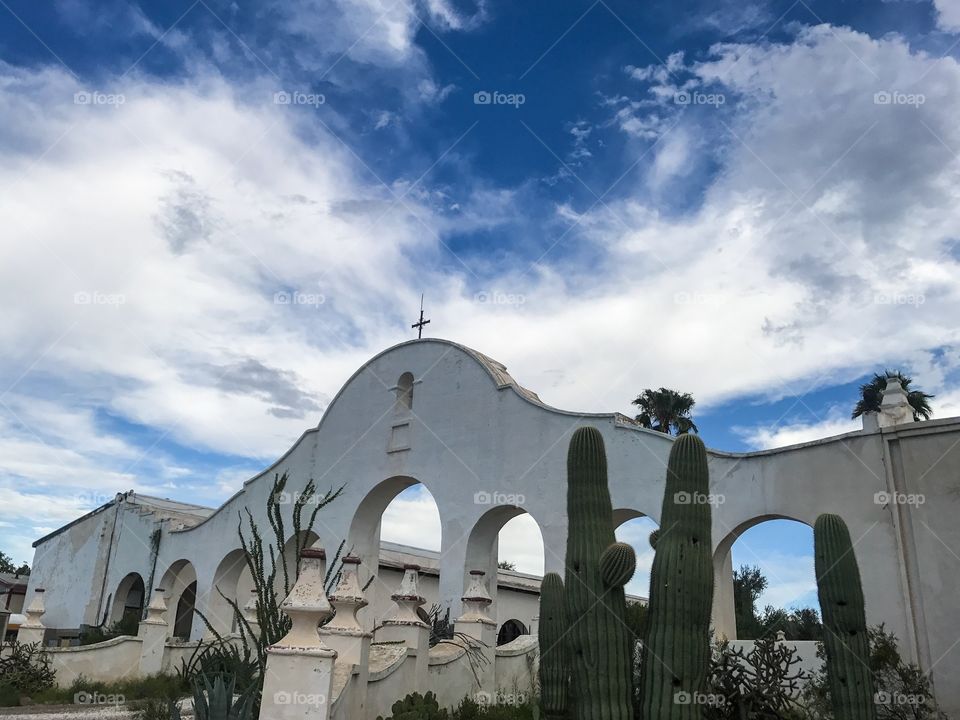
(443, 415)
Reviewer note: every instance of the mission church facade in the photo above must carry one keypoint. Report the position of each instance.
(434, 412)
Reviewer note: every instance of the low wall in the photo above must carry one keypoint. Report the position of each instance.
(101, 662)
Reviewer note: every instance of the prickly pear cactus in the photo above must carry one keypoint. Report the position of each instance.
(845, 636)
(597, 569)
(676, 652)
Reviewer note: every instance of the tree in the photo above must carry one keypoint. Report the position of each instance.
(7, 565)
(871, 395)
(665, 410)
(748, 585)
(506, 565)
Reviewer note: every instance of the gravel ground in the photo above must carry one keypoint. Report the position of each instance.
(77, 712)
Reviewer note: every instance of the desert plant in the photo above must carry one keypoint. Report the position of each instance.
(417, 707)
(597, 567)
(762, 683)
(554, 665)
(213, 699)
(676, 650)
(903, 690)
(25, 668)
(267, 567)
(845, 638)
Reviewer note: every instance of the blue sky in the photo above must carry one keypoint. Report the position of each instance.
(752, 202)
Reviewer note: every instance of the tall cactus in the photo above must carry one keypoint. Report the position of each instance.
(676, 651)
(597, 569)
(554, 667)
(844, 620)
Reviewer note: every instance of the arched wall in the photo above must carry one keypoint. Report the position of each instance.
(723, 618)
(363, 539)
(474, 429)
(175, 581)
(226, 579)
(123, 599)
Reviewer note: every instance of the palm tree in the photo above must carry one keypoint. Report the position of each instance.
(666, 411)
(871, 395)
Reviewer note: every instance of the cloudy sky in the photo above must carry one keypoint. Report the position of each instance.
(752, 202)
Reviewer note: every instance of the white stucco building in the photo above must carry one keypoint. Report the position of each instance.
(437, 413)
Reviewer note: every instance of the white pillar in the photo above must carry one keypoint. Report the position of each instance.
(476, 624)
(33, 629)
(403, 624)
(299, 675)
(153, 632)
(894, 407)
(346, 635)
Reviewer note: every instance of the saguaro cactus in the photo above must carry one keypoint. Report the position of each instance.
(597, 569)
(845, 636)
(676, 651)
(554, 667)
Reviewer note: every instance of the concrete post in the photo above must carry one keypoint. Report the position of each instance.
(476, 624)
(894, 407)
(298, 679)
(346, 635)
(32, 631)
(153, 632)
(403, 624)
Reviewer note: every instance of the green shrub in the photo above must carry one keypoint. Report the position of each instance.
(9, 695)
(417, 707)
(26, 668)
(213, 699)
(469, 709)
(902, 690)
(163, 687)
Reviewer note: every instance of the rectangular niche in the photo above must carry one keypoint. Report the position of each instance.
(399, 437)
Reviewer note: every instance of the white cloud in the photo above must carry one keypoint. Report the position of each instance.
(412, 519)
(948, 14)
(791, 432)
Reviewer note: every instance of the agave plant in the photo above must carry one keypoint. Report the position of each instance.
(215, 700)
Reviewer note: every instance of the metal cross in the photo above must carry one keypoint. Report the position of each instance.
(419, 325)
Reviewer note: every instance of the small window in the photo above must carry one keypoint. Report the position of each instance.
(405, 392)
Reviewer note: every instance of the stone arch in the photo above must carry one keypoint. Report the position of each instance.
(724, 617)
(482, 550)
(226, 588)
(129, 598)
(634, 527)
(179, 581)
(510, 631)
(364, 541)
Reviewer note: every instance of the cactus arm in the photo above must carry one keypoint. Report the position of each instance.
(618, 563)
